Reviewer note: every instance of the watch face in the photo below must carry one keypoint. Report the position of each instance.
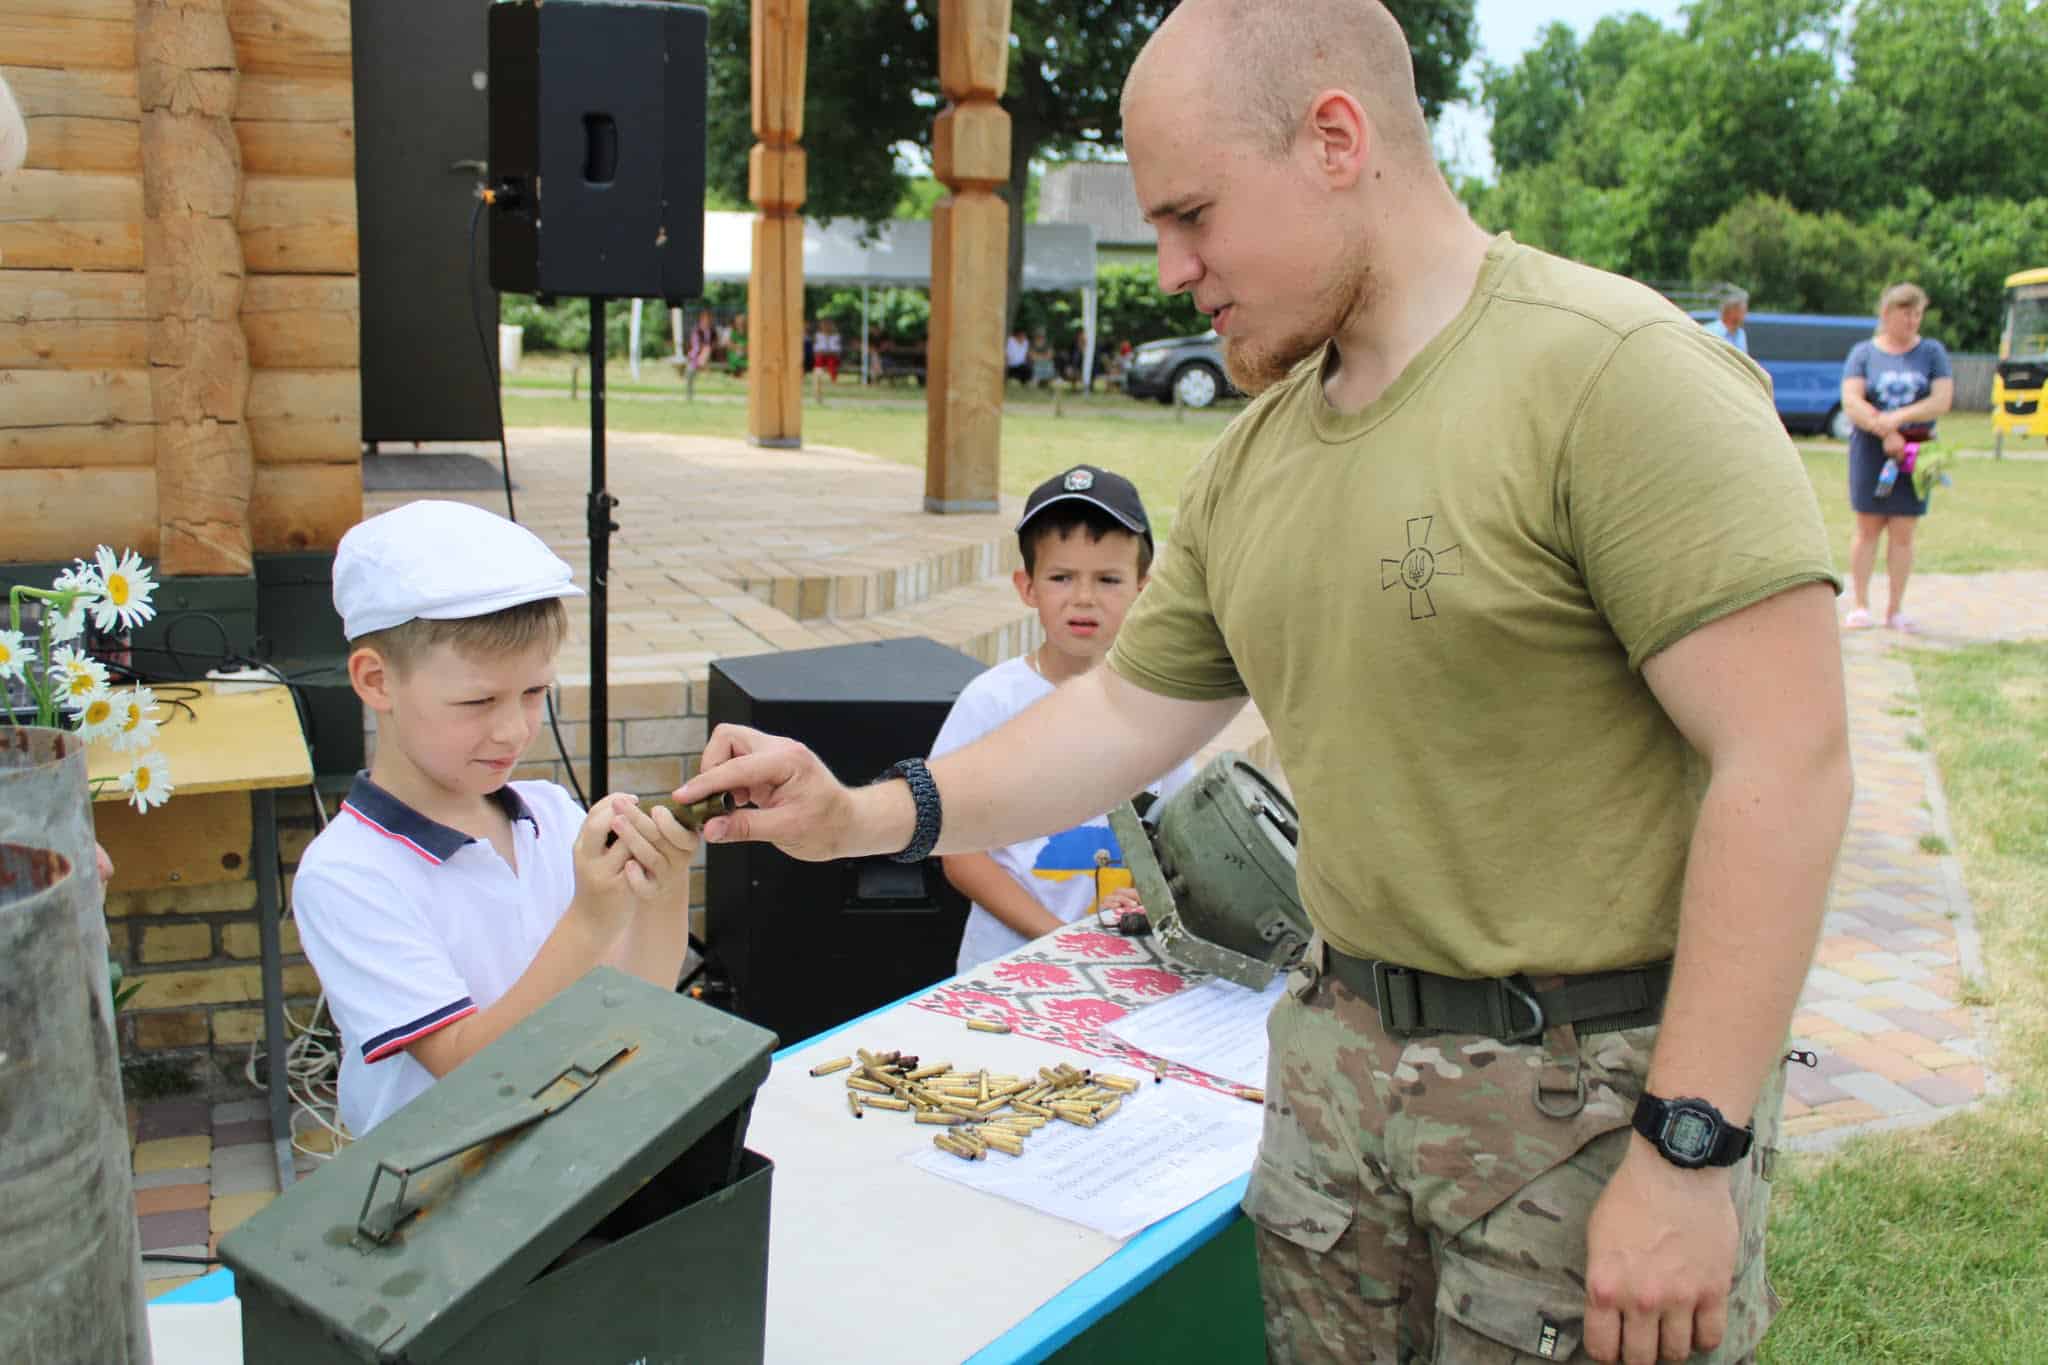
(1690, 1135)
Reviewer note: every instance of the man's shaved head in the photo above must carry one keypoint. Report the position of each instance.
(1263, 61)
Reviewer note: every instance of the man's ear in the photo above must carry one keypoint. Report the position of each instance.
(1340, 138)
(1027, 591)
(372, 676)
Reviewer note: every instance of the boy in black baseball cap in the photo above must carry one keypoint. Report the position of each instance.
(1087, 548)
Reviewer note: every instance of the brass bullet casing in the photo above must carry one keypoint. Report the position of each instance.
(1026, 1107)
(1123, 1085)
(690, 817)
(836, 1064)
(887, 1102)
(988, 1026)
(935, 1069)
(1250, 1092)
(862, 1083)
(1004, 1143)
(853, 1103)
(933, 1116)
(967, 1113)
(984, 1089)
(1110, 1108)
(946, 1142)
(1077, 1117)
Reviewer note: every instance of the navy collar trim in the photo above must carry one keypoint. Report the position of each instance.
(430, 839)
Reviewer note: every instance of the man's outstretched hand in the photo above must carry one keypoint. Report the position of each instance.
(798, 805)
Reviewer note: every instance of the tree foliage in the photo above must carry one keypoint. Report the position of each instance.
(872, 88)
(1738, 147)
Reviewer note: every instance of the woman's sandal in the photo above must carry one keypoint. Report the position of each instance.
(1901, 622)
(1858, 619)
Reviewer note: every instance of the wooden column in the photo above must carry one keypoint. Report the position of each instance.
(775, 182)
(186, 74)
(970, 262)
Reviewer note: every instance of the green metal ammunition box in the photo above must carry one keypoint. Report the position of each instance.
(578, 1191)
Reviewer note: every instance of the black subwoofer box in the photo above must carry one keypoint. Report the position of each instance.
(810, 945)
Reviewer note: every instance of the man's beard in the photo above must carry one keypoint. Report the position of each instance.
(1255, 366)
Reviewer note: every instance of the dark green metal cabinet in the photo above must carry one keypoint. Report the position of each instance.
(578, 1191)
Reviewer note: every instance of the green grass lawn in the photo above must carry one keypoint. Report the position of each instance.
(1932, 1245)
(1995, 517)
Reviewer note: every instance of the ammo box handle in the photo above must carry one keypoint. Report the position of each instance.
(566, 1086)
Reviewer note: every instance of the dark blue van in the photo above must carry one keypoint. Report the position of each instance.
(1803, 354)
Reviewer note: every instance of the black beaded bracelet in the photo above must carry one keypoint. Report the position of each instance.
(924, 794)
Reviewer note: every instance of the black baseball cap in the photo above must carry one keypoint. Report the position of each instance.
(1113, 493)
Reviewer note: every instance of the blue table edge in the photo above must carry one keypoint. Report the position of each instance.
(1133, 1267)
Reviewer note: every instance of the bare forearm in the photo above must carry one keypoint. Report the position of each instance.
(1095, 742)
(1755, 891)
(982, 880)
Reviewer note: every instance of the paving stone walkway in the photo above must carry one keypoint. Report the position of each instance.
(1884, 1008)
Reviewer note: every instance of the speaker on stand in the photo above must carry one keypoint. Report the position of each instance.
(596, 186)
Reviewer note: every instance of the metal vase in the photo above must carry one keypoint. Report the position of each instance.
(45, 802)
(70, 1274)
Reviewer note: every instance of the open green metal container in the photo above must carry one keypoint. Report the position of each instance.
(609, 1126)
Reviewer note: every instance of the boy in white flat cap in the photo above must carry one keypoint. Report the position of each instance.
(445, 903)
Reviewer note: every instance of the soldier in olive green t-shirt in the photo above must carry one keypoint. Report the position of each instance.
(1532, 591)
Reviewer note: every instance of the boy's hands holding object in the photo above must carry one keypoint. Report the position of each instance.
(624, 855)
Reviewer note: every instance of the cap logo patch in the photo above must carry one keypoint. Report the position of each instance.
(1079, 480)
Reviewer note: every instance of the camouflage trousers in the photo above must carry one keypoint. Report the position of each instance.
(1427, 1200)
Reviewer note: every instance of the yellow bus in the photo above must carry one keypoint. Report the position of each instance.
(2022, 360)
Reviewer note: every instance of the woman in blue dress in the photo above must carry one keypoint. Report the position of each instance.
(1893, 387)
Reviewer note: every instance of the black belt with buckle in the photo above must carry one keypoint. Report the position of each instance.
(1416, 1004)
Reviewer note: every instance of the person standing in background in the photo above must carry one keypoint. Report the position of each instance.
(1893, 387)
(1729, 326)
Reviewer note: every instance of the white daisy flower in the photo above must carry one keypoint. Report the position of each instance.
(98, 716)
(70, 624)
(13, 654)
(125, 588)
(148, 783)
(76, 677)
(135, 726)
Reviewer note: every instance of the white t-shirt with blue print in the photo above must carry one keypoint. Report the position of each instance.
(1059, 871)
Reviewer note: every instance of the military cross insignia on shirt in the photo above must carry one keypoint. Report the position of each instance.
(1419, 567)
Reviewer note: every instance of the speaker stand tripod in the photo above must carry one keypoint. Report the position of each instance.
(600, 527)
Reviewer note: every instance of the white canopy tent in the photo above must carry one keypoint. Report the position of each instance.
(1057, 256)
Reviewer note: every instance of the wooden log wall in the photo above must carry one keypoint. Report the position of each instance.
(178, 306)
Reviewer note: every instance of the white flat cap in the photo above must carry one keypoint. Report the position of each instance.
(440, 561)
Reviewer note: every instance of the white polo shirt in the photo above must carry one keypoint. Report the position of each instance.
(412, 925)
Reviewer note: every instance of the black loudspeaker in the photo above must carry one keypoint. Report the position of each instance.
(597, 148)
(810, 945)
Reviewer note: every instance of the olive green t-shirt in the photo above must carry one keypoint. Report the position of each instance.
(1442, 605)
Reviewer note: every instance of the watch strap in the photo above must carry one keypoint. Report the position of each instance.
(924, 795)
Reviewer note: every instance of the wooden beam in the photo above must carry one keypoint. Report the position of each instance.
(294, 99)
(74, 345)
(312, 149)
(305, 417)
(51, 513)
(291, 37)
(302, 322)
(68, 44)
(775, 288)
(306, 506)
(40, 196)
(72, 246)
(65, 142)
(65, 296)
(58, 398)
(970, 245)
(113, 444)
(293, 225)
(116, 11)
(73, 93)
(199, 359)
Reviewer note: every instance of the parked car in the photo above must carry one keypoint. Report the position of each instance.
(1187, 368)
(1803, 354)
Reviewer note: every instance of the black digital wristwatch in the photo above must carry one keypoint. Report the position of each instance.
(1690, 1133)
